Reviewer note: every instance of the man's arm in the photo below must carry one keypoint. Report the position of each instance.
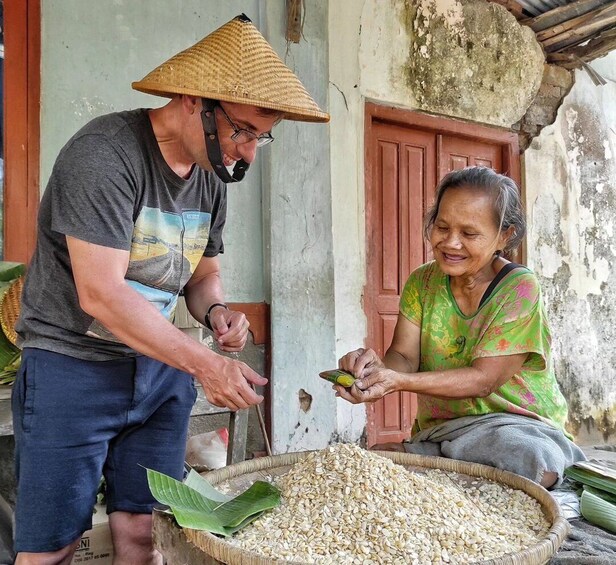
(104, 294)
(203, 290)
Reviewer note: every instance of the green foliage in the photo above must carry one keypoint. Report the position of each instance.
(10, 270)
(196, 504)
(591, 478)
(598, 508)
(10, 356)
(9, 370)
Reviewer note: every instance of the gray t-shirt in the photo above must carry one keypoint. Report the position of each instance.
(112, 187)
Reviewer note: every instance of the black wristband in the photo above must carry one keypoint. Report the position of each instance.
(207, 322)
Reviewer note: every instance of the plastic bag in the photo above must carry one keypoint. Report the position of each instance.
(208, 450)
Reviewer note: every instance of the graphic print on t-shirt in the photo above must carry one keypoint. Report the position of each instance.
(166, 248)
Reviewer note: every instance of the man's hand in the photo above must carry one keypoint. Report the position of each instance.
(230, 328)
(228, 382)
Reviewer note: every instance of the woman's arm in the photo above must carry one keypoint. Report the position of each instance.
(482, 378)
(398, 371)
(403, 353)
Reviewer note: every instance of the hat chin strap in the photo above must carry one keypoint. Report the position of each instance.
(212, 144)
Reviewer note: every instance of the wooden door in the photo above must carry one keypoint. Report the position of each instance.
(406, 155)
(403, 178)
(21, 104)
(456, 153)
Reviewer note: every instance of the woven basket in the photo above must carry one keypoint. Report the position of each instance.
(242, 475)
(9, 309)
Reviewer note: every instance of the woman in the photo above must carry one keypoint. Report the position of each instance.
(473, 342)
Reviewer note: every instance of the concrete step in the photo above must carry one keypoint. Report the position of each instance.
(600, 452)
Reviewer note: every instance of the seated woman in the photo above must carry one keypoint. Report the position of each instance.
(472, 340)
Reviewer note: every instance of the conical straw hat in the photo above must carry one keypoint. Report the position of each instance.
(234, 64)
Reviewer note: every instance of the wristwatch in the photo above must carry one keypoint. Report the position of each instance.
(207, 322)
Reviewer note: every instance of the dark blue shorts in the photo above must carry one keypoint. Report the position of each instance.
(77, 420)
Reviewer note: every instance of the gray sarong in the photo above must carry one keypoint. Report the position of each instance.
(511, 442)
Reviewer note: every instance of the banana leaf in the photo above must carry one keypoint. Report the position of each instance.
(196, 504)
(195, 481)
(190, 508)
(9, 270)
(9, 371)
(591, 478)
(259, 497)
(598, 507)
(9, 354)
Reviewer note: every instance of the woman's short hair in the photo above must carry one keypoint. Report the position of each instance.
(505, 195)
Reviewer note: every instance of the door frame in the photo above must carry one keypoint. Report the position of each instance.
(438, 125)
(22, 82)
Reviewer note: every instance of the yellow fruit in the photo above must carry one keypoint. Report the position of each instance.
(345, 380)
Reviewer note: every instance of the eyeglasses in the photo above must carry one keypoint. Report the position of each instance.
(241, 135)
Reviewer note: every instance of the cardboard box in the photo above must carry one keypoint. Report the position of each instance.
(95, 547)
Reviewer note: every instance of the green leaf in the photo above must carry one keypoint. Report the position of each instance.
(198, 483)
(243, 524)
(198, 505)
(608, 497)
(591, 478)
(9, 372)
(10, 270)
(9, 354)
(190, 508)
(597, 510)
(259, 497)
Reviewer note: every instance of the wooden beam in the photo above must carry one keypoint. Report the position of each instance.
(563, 27)
(563, 13)
(584, 31)
(598, 47)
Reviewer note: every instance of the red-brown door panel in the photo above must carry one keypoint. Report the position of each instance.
(406, 154)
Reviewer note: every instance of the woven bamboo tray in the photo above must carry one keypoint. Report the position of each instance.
(10, 306)
(240, 476)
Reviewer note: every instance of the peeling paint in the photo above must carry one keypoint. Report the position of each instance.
(571, 204)
(305, 400)
(466, 57)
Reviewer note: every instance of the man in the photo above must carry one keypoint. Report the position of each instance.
(132, 215)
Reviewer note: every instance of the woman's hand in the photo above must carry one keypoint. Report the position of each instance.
(356, 362)
(375, 384)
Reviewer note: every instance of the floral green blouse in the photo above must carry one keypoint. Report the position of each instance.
(512, 320)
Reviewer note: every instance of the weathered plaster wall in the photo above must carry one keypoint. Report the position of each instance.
(348, 200)
(468, 57)
(555, 85)
(570, 177)
(297, 208)
(374, 45)
(278, 239)
(91, 52)
(461, 58)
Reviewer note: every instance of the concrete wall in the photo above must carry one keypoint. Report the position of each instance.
(91, 52)
(299, 244)
(570, 179)
(436, 56)
(93, 49)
